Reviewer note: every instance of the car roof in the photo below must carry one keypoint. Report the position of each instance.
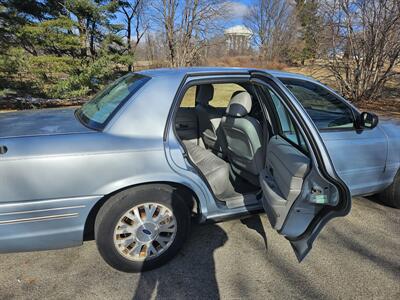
(181, 72)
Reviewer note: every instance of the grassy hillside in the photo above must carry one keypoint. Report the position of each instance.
(388, 103)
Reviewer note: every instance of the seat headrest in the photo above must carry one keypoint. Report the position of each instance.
(240, 105)
(204, 94)
(235, 93)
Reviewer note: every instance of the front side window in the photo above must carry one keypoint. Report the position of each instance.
(100, 109)
(325, 109)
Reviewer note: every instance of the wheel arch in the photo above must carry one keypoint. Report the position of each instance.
(190, 197)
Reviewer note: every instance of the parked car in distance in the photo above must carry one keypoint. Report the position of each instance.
(157, 147)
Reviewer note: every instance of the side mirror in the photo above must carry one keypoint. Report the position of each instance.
(367, 120)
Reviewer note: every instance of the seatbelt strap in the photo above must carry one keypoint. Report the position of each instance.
(265, 129)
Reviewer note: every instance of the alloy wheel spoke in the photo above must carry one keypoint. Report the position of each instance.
(151, 250)
(162, 240)
(131, 216)
(136, 215)
(169, 227)
(126, 242)
(135, 251)
(123, 229)
(145, 231)
(149, 210)
(161, 214)
(163, 219)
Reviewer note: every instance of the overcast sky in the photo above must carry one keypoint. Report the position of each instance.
(238, 9)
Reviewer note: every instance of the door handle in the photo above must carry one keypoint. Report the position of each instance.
(3, 149)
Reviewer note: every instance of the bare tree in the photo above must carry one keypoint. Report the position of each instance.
(364, 40)
(273, 24)
(152, 50)
(187, 26)
(133, 12)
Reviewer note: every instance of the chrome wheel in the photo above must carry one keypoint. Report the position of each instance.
(145, 231)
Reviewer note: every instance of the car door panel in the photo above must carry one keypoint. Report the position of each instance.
(301, 190)
(287, 178)
(213, 136)
(359, 158)
(186, 124)
(282, 179)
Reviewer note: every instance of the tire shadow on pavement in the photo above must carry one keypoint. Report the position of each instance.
(191, 274)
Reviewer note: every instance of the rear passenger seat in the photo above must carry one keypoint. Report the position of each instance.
(215, 169)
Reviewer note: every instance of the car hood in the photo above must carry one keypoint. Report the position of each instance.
(40, 122)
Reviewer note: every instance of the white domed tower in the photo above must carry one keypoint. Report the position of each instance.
(238, 39)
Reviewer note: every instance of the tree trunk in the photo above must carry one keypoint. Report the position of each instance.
(92, 34)
(82, 37)
(129, 37)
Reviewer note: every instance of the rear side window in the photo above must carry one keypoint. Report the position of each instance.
(325, 109)
(189, 100)
(98, 111)
(222, 95)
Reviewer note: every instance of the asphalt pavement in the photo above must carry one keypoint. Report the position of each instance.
(356, 257)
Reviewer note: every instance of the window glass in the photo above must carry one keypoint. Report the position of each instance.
(223, 93)
(325, 109)
(288, 129)
(189, 98)
(96, 112)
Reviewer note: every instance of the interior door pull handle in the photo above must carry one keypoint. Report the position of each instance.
(3, 149)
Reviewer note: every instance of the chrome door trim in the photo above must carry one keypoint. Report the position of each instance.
(38, 219)
(40, 210)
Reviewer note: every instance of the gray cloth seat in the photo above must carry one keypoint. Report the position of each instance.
(244, 136)
(209, 119)
(215, 169)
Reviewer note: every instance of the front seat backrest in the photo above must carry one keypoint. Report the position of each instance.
(208, 127)
(244, 138)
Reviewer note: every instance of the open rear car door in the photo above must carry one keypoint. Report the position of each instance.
(301, 190)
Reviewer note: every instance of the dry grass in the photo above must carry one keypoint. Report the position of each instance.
(387, 104)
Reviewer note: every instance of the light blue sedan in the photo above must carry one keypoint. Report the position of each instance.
(133, 165)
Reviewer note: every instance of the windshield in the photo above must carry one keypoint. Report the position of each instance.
(97, 112)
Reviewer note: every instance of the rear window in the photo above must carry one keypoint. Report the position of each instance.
(97, 112)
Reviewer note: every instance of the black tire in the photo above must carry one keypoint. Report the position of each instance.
(117, 205)
(391, 195)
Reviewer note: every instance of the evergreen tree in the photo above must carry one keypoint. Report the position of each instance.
(64, 49)
(307, 14)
